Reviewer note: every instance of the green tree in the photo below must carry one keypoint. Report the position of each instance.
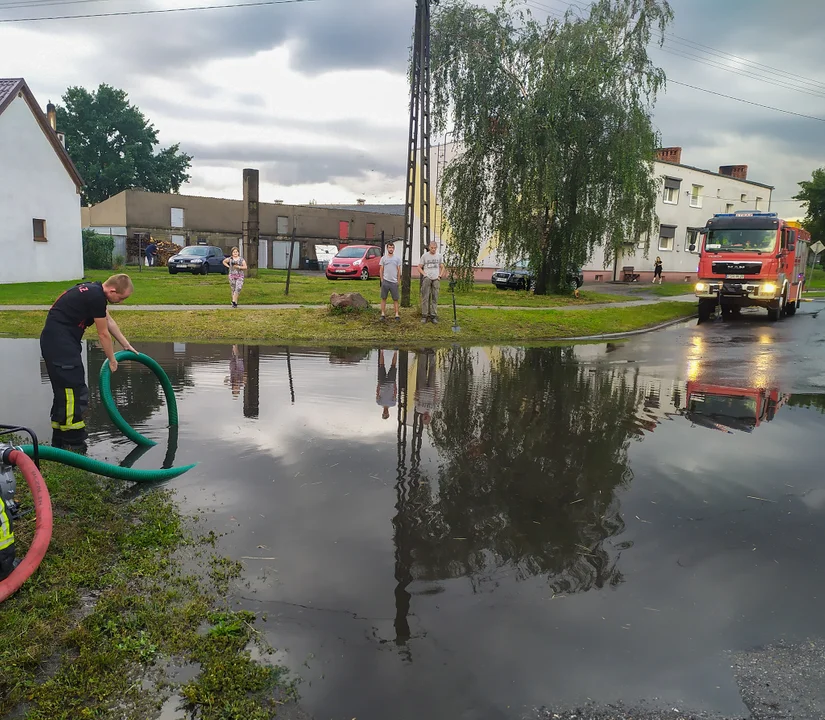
(554, 124)
(113, 145)
(812, 196)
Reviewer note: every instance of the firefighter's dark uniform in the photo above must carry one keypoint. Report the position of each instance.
(60, 343)
(6, 542)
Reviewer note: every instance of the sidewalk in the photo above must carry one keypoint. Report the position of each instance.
(459, 308)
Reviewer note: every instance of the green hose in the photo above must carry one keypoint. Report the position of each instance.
(109, 402)
(101, 468)
(116, 471)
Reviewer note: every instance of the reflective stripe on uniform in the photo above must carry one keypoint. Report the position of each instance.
(6, 535)
(69, 425)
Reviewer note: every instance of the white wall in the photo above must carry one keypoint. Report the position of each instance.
(34, 183)
(678, 262)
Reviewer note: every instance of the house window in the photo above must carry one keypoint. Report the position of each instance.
(743, 197)
(692, 240)
(176, 221)
(666, 235)
(696, 196)
(38, 230)
(282, 225)
(729, 208)
(370, 234)
(343, 230)
(671, 191)
(759, 203)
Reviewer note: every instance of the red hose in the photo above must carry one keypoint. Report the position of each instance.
(42, 528)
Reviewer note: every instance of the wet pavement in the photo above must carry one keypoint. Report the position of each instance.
(628, 529)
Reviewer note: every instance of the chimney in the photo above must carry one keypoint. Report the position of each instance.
(361, 201)
(737, 172)
(51, 114)
(670, 154)
(251, 227)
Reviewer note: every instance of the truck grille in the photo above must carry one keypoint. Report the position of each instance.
(737, 268)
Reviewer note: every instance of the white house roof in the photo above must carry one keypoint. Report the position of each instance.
(10, 88)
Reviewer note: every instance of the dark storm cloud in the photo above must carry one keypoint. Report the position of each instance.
(323, 35)
(299, 165)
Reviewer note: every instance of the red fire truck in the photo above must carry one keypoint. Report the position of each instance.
(751, 258)
(727, 408)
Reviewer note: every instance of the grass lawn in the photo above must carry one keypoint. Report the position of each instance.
(816, 279)
(324, 326)
(155, 286)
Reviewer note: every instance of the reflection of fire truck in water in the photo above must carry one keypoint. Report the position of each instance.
(751, 259)
(725, 408)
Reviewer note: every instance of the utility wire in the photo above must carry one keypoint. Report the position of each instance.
(159, 11)
(743, 73)
(748, 102)
(755, 67)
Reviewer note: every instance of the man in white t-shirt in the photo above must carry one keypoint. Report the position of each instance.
(388, 270)
(431, 267)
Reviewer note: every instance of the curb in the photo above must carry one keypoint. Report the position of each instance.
(629, 333)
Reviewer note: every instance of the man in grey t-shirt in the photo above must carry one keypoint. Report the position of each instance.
(388, 270)
(430, 267)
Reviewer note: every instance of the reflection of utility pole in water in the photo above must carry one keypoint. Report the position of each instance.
(406, 488)
(251, 390)
(289, 372)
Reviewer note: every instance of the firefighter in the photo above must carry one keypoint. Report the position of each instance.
(74, 311)
(7, 563)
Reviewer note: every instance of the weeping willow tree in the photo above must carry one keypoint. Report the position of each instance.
(553, 124)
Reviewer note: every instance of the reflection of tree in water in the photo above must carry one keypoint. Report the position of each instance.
(816, 402)
(136, 390)
(533, 451)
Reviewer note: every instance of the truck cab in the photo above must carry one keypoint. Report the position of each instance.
(726, 408)
(751, 259)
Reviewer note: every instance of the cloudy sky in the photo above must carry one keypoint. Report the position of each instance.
(315, 95)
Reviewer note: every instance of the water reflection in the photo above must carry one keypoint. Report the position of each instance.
(728, 408)
(527, 525)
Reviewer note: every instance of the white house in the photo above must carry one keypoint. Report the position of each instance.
(688, 197)
(40, 235)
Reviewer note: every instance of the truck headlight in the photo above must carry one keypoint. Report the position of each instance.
(701, 287)
(769, 288)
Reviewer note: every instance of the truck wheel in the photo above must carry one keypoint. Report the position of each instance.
(790, 308)
(777, 310)
(706, 309)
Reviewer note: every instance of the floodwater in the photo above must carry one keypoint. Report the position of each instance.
(483, 532)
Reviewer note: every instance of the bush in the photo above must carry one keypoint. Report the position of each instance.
(117, 263)
(97, 250)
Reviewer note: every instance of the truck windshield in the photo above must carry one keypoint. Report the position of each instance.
(740, 240)
(723, 406)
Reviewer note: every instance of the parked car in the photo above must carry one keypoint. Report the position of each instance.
(197, 259)
(519, 277)
(355, 261)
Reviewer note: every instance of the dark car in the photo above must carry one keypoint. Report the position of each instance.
(519, 277)
(198, 259)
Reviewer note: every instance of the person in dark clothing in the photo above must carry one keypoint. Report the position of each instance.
(151, 253)
(75, 310)
(657, 270)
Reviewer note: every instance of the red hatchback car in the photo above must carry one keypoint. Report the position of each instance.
(355, 261)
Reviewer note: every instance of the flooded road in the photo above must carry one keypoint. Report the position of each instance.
(489, 532)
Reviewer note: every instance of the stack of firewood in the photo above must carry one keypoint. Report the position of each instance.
(165, 249)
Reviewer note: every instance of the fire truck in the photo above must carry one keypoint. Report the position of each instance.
(751, 259)
(725, 408)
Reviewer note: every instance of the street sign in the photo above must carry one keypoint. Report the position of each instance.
(817, 248)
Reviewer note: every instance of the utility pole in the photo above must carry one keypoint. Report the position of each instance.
(419, 130)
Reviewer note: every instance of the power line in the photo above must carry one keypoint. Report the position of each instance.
(748, 102)
(743, 73)
(262, 3)
(782, 76)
